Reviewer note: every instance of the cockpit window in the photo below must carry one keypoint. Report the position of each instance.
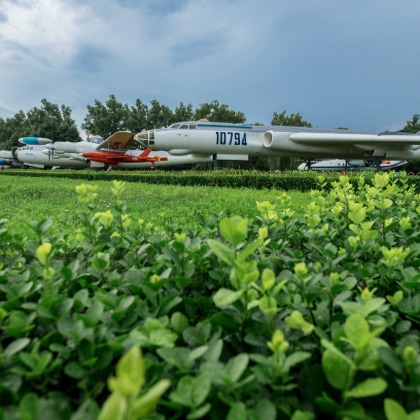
(183, 126)
(96, 139)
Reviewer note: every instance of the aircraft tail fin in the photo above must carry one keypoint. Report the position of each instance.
(146, 153)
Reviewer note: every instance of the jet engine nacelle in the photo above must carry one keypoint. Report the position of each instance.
(277, 141)
(34, 140)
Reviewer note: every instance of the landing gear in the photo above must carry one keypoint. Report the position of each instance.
(308, 164)
(377, 163)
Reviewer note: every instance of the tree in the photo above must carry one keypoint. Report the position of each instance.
(137, 118)
(291, 120)
(221, 113)
(159, 115)
(413, 126)
(50, 121)
(183, 113)
(104, 120)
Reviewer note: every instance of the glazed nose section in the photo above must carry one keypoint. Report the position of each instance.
(146, 138)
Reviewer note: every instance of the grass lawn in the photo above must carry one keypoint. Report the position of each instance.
(26, 199)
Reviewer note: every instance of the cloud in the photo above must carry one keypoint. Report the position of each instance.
(161, 7)
(196, 48)
(90, 59)
(322, 58)
(43, 32)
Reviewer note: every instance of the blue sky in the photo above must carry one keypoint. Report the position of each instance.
(340, 63)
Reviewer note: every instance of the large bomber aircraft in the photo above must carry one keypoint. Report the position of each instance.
(44, 153)
(351, 165)
(205, 138)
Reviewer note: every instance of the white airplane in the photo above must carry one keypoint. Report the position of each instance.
(33, 154)
(350, 165)
(6, 158)
(205, 138)
(70, 154)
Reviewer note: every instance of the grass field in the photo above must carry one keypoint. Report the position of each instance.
(26, 199)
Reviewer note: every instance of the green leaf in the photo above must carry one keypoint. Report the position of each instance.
(225, 297)
(368, 388)
(396, 298)
(238, 411)
(147, 403)
(130, 373)
(222, 251)
(249, 250)
(393, 410)
(30, 406)
(370, 306)
(268, 279)
(74, 370)
(338, 368)
(236, 367)
(179, 322)
(114, 408)
(234, 229)
(410, 305)
(357, 330)
(89, 410)
(191, 392)
(264, 409)
(16, 346)
(295, 358)
(268, 305)
(199, 412)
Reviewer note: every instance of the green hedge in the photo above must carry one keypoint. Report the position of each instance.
(302, 181)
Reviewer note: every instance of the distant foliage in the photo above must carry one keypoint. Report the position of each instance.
(50, 121)
(218, 112)
(413, 126)
(291, 120)
(114, 116)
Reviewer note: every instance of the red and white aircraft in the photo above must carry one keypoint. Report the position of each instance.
(114, 158)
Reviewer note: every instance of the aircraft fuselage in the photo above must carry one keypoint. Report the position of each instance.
(242, 139)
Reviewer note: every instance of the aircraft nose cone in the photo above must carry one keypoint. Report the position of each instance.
(146, 138)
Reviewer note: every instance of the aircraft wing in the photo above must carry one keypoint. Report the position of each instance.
(388, 140)
(117, 142)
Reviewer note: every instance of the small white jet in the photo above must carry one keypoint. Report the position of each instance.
(221, 139)
(350, 165)
(33, 154)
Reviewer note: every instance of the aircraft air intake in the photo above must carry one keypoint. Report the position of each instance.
(268, 139)
(276, 140)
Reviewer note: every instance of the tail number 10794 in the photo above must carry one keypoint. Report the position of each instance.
(230, 138)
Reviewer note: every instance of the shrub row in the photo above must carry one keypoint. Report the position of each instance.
(302, 181)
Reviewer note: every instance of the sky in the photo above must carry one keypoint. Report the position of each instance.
(340, 63)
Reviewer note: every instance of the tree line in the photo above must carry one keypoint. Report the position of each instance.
(103, 119)
(55, 122)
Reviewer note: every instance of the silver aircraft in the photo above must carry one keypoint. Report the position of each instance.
(44, 153)
(221, 139)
